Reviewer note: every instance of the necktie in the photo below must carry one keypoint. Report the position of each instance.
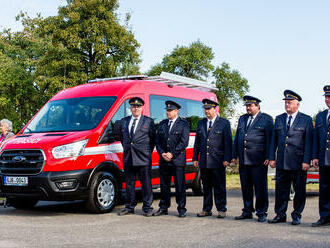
(289, 124)
(210, 126)
(249, 123)
(132, 128)
(169, 126)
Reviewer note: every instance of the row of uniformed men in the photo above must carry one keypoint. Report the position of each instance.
(287, 145)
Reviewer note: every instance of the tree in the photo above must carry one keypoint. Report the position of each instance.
(231, 88)
(193, 61)
(85, 40)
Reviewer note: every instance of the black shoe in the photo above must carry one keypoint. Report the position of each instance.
(243, 217)
(204, 214)
(182, 214)
(295, 221)
(262, 218)
(148, 214)
(125, 211)
(321, 222)
(161, 212)
(277, 219)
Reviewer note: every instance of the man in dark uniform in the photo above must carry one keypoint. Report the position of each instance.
(138, 140)
(292, 143)
(251, 146)
(321, 159)
(171, 141)
(213, 143)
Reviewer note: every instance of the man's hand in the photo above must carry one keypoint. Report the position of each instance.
(305, 166)
(272, 163)
(164, 156)
(266, 162)
(195, 163)
(315, 163)
(234, 161)
(226, 163)
(169, 155)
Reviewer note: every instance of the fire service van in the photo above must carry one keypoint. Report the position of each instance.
(68, 150)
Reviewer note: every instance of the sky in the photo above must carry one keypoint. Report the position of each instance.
(275, 45)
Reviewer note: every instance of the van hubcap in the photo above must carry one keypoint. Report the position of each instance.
(105, 193)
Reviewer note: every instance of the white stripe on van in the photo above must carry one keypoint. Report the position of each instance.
(118, 148)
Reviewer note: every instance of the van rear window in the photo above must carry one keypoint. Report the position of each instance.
(72, 114)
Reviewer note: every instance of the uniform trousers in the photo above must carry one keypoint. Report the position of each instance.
(254, 180)
(284, 179)
(214, 183)
(144, 174)
(324, 199)
(178, 173)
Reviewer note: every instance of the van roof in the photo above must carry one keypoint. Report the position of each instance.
(129, 87)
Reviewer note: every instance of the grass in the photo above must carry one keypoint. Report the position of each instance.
(233, 182)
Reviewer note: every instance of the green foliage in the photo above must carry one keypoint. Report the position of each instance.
(231, 88)
(85, 40)
(193, 61)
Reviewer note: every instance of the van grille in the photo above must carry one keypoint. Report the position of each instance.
(26, 162)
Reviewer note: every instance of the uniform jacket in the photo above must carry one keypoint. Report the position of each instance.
(174, 141)
(141, 145)
(321, 139)
(295, 146)
(215, 147)
(252, 146)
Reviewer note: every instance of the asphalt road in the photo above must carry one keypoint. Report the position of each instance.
(69, 225)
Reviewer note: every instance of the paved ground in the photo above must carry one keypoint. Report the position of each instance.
(69, 225)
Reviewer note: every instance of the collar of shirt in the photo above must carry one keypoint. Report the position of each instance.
(213, 120)
(173, 121)
(131, 122)
(328, 114)
(253, 116)
(294, 115)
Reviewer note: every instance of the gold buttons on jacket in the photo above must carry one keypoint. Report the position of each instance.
(327, 149)
(208, 140)
(132, 143)
(207, 153)
(286, 144)
(207, 147)
(246, 134)
(287, 137)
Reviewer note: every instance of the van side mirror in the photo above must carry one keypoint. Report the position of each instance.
(111, 134)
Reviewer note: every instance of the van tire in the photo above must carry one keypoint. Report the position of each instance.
(103, 193)
(197, 186)
(21, 203)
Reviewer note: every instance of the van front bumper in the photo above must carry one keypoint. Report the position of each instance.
(50, 186)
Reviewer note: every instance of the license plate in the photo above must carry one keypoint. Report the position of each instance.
(16, 181)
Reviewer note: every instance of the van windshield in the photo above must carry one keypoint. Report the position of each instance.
(73, 114)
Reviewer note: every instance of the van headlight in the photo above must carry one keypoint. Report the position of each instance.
(70, 150)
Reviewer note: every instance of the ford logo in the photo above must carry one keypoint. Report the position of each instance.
(18, 159)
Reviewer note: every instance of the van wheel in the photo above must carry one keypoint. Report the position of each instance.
(197, 186)
(103, 193)
(21, 203)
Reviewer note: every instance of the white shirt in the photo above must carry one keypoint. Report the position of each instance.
(213, 120)
(252, 116)
(328, 114)
(293, 118)
(172, 123)
(131, 123)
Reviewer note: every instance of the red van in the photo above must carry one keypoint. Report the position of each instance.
(68, 150)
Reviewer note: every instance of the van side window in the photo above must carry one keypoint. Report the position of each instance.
(112, 132)
(191, 110)
(122, 112)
